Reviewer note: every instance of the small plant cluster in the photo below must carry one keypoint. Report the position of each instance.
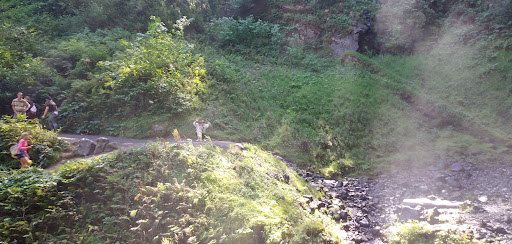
(414, 232)
(46, 143)
(247, 35)
(177, 194)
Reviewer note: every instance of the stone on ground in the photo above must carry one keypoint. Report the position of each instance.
(112, 146)
(101, 143)
(86, 147)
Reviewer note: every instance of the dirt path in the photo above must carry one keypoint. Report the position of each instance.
(125, 144)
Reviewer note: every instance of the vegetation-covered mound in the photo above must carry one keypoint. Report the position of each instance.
(46, 145)
(178, 194)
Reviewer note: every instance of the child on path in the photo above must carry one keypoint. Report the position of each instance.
(201, 129)
(22, 154)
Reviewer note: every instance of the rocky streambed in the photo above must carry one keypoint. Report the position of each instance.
(466, 197)
(347, 201)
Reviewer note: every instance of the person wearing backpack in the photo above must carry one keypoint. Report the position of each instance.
(31, 112)
(51, 108)
(22, 153)
(19, 105)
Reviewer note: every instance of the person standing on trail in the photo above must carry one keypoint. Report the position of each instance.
(199, 129)
(19, 105)
(205, 126)
(31, 111)
(22, 154)
(51, 108)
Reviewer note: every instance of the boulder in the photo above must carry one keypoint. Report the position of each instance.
(316, 205)
(343, 215)
(408, 213)
(86, 147)
(339, 44)
(364, 222)
(101, 143)
(112, 146)
(456, 167)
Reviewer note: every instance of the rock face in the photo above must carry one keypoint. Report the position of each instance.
(86, 147)
(158, 129)
(340, 44)
(101, 143)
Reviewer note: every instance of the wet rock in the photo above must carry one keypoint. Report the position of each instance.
(360, 239)
(309, 197)
(343, 215)
(316, 204)
(343, 194)
(101, 143)
(334, 210)
(86, 147)
(482, 224)
(500, 230)
(364, 222)
(286, 178)
(112, 146)
(483, 198)
(337, 202)
(329, 183)
(453, 183)
(339, 184)
(408, 213)
(481, 235)
(456, 167)
(376, 231)
(508, 220)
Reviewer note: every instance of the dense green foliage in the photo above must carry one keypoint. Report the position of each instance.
(155, 73)
(46, 144)
(247, 35)
(180, 194)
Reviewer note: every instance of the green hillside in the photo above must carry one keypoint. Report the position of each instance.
(357, 87)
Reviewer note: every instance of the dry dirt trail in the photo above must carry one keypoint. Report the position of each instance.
(125, 144)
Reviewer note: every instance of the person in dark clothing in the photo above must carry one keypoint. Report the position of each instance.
(31, 111)
(51, 109)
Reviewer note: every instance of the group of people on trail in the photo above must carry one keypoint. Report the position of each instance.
(201, 127)
(23, 106)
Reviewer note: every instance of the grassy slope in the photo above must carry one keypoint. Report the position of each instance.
(182, 194)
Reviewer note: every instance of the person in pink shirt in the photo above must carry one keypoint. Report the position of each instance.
(22, 154)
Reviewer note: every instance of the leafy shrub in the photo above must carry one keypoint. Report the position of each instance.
(46, 143)
(156, 73)
(247, 35)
